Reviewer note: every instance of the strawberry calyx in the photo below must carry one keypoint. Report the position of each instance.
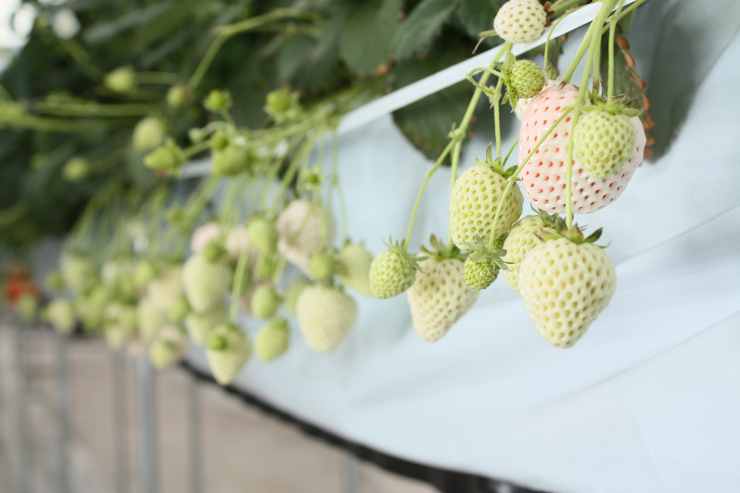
(495, 164)
(559, 229)
(618, 106)
(214, 251)
(480, 252)
(440, 250)
(401, 249)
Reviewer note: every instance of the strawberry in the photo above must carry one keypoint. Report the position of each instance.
(168, 347)
(520, 21)
(439, 297)
(321, 265)
(482, 266)
(228, 349)
(203, 235)
(293, 293)
(544, 175)
(167, 158)
(90, 308)
(475, 197)
(525, 79)
(604, 141)
(263, 235)
(353, 267)
(392, 272)
(272, 340)
(200, 325)
(178, 310)
(565, 285)
(149, 133)
(76, 169)
(521, 239)
(206, 282)
(150, 318)
(60, 313)
(325, 316)
(166, 288)
(303, 228)
(78, 272)
(232, 158)
(265, 301)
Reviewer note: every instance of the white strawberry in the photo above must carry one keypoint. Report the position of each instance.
(520, 21)
(439, 296)
(203, 235)
(565, 286)
(304, 228)
(353, 267)
(166, 288)
(168, 347)
(206, 282)
(544, 176)
(325, 316)
(228, 350)
(272, 340)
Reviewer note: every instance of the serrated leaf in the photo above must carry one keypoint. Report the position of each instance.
(365, 38)
(417, 32)
(477, 15)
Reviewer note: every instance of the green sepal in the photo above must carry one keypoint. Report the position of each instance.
(409, 258)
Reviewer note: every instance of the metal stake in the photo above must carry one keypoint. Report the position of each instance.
(350, 483)
(120, 416)
(62, 381)
(147, 428)
(196, 456)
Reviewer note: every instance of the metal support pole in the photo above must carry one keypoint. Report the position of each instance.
(196, 456)
(21, 390)
(147, 428)
(120, 416)
(62, 382)
(350, 482)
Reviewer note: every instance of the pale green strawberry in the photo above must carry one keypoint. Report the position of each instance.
(149, 133)
(178, 310)
(168, 347)
(475, 198)
(265, 301)
(321, 265)
(325, 316)
(263, 235)
(60, 313)
(272, 340)
(479, 274)
(200, 325)
(604, 142)
(150, 319)
(392, 272)
(304, 228)
(526, 79)
(353, 268)
(520, 240)
(166, 288)
(78, 272)
(206, 283)
(228, 350)
(292, 294)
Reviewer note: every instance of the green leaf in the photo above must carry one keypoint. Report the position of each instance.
(309, 64)
(106, 30)
(418, 31)
(427, 123)
(477, 15)
(365, 38)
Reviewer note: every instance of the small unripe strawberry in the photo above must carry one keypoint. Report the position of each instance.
(228, 350)
(76, 169)
(206, 283)
(167, 157)
(279, 100)
(391, 273)
(232, 159)
(520, 21)
(263, 234)
(168, 347)
(325, 316)
(217, 101)
(149, 133)
(272, 340)
(265, 301)
(200, 325)
(604, 142)
(353, 268)
(321, 265)
(121, 80)
(480, 274)
(178, 96)
(526, 79)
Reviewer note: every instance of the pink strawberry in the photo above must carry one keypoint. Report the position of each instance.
(544, 175)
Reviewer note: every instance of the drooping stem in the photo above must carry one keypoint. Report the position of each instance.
(336, 182)
(612, 32)
(453, 178)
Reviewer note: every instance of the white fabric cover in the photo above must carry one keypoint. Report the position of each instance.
(649, 399)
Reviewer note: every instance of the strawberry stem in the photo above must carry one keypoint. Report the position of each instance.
(612, 31)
